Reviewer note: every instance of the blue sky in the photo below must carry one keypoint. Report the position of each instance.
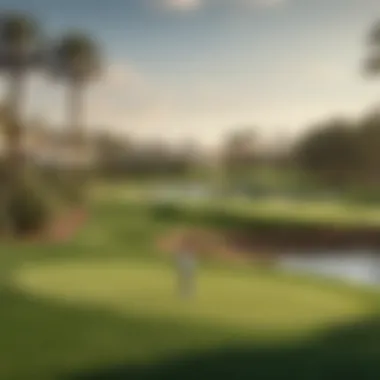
(196, 68)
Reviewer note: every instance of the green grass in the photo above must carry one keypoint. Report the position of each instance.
(274, 210)
(104, 307)
(228, 299)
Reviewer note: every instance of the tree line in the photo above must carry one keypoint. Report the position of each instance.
(341, 152)
(338, 152)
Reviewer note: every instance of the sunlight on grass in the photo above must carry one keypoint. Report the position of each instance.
(241, 300)
(333, 212)
(108, 297)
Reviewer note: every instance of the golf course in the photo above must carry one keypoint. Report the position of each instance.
(189, 190)
(105, 306)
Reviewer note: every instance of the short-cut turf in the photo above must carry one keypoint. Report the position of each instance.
(105, 307)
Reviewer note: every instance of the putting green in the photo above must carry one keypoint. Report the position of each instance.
(239, 299)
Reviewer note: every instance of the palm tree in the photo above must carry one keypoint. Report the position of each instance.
(76, 61)
(19, 52)
(19, 45)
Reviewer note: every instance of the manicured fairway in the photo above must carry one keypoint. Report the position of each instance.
(105, 307)
(247, 301)
(322, 212)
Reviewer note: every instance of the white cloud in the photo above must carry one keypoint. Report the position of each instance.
(185, 5)
(266, 3)
(191, 5)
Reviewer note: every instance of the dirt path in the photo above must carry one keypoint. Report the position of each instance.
(61, 229)
(67, 226)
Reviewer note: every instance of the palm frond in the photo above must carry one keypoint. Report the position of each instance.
(76, 56)
(17, 30)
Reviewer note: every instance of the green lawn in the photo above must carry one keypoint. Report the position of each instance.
(104, 307)
(229, 300)
(323, 212)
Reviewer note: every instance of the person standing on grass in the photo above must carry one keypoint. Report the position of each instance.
(186, 267)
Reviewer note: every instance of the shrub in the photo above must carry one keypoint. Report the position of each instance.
(29, 204)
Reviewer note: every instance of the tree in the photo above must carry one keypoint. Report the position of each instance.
(370, 125)
(330, 153)
(111, 153)
(19, 52)
(372, 63)
(76, 61)
(369, 144)
(239, 154)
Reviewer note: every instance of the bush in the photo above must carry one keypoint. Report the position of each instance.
(29, 204)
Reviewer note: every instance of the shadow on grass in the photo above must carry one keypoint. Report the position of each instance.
(50, 340)
(350, 352)
(42, 339)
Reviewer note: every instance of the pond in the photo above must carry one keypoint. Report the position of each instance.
(355, 267)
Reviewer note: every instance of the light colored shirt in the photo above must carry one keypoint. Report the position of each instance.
(186, 262)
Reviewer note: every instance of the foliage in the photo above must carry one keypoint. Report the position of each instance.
(29, 205)
(372, 64)
(75, 57)
(340, 153)
(239, 154)
(330, 152)
(19, 40)
(118, 158)
(368, 145)
(75, 60)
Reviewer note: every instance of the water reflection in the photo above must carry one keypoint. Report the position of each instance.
(354, 266)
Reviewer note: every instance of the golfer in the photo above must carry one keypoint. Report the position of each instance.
(186, 269)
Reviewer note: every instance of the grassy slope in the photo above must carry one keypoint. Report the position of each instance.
(47, 339)
(316, 213)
